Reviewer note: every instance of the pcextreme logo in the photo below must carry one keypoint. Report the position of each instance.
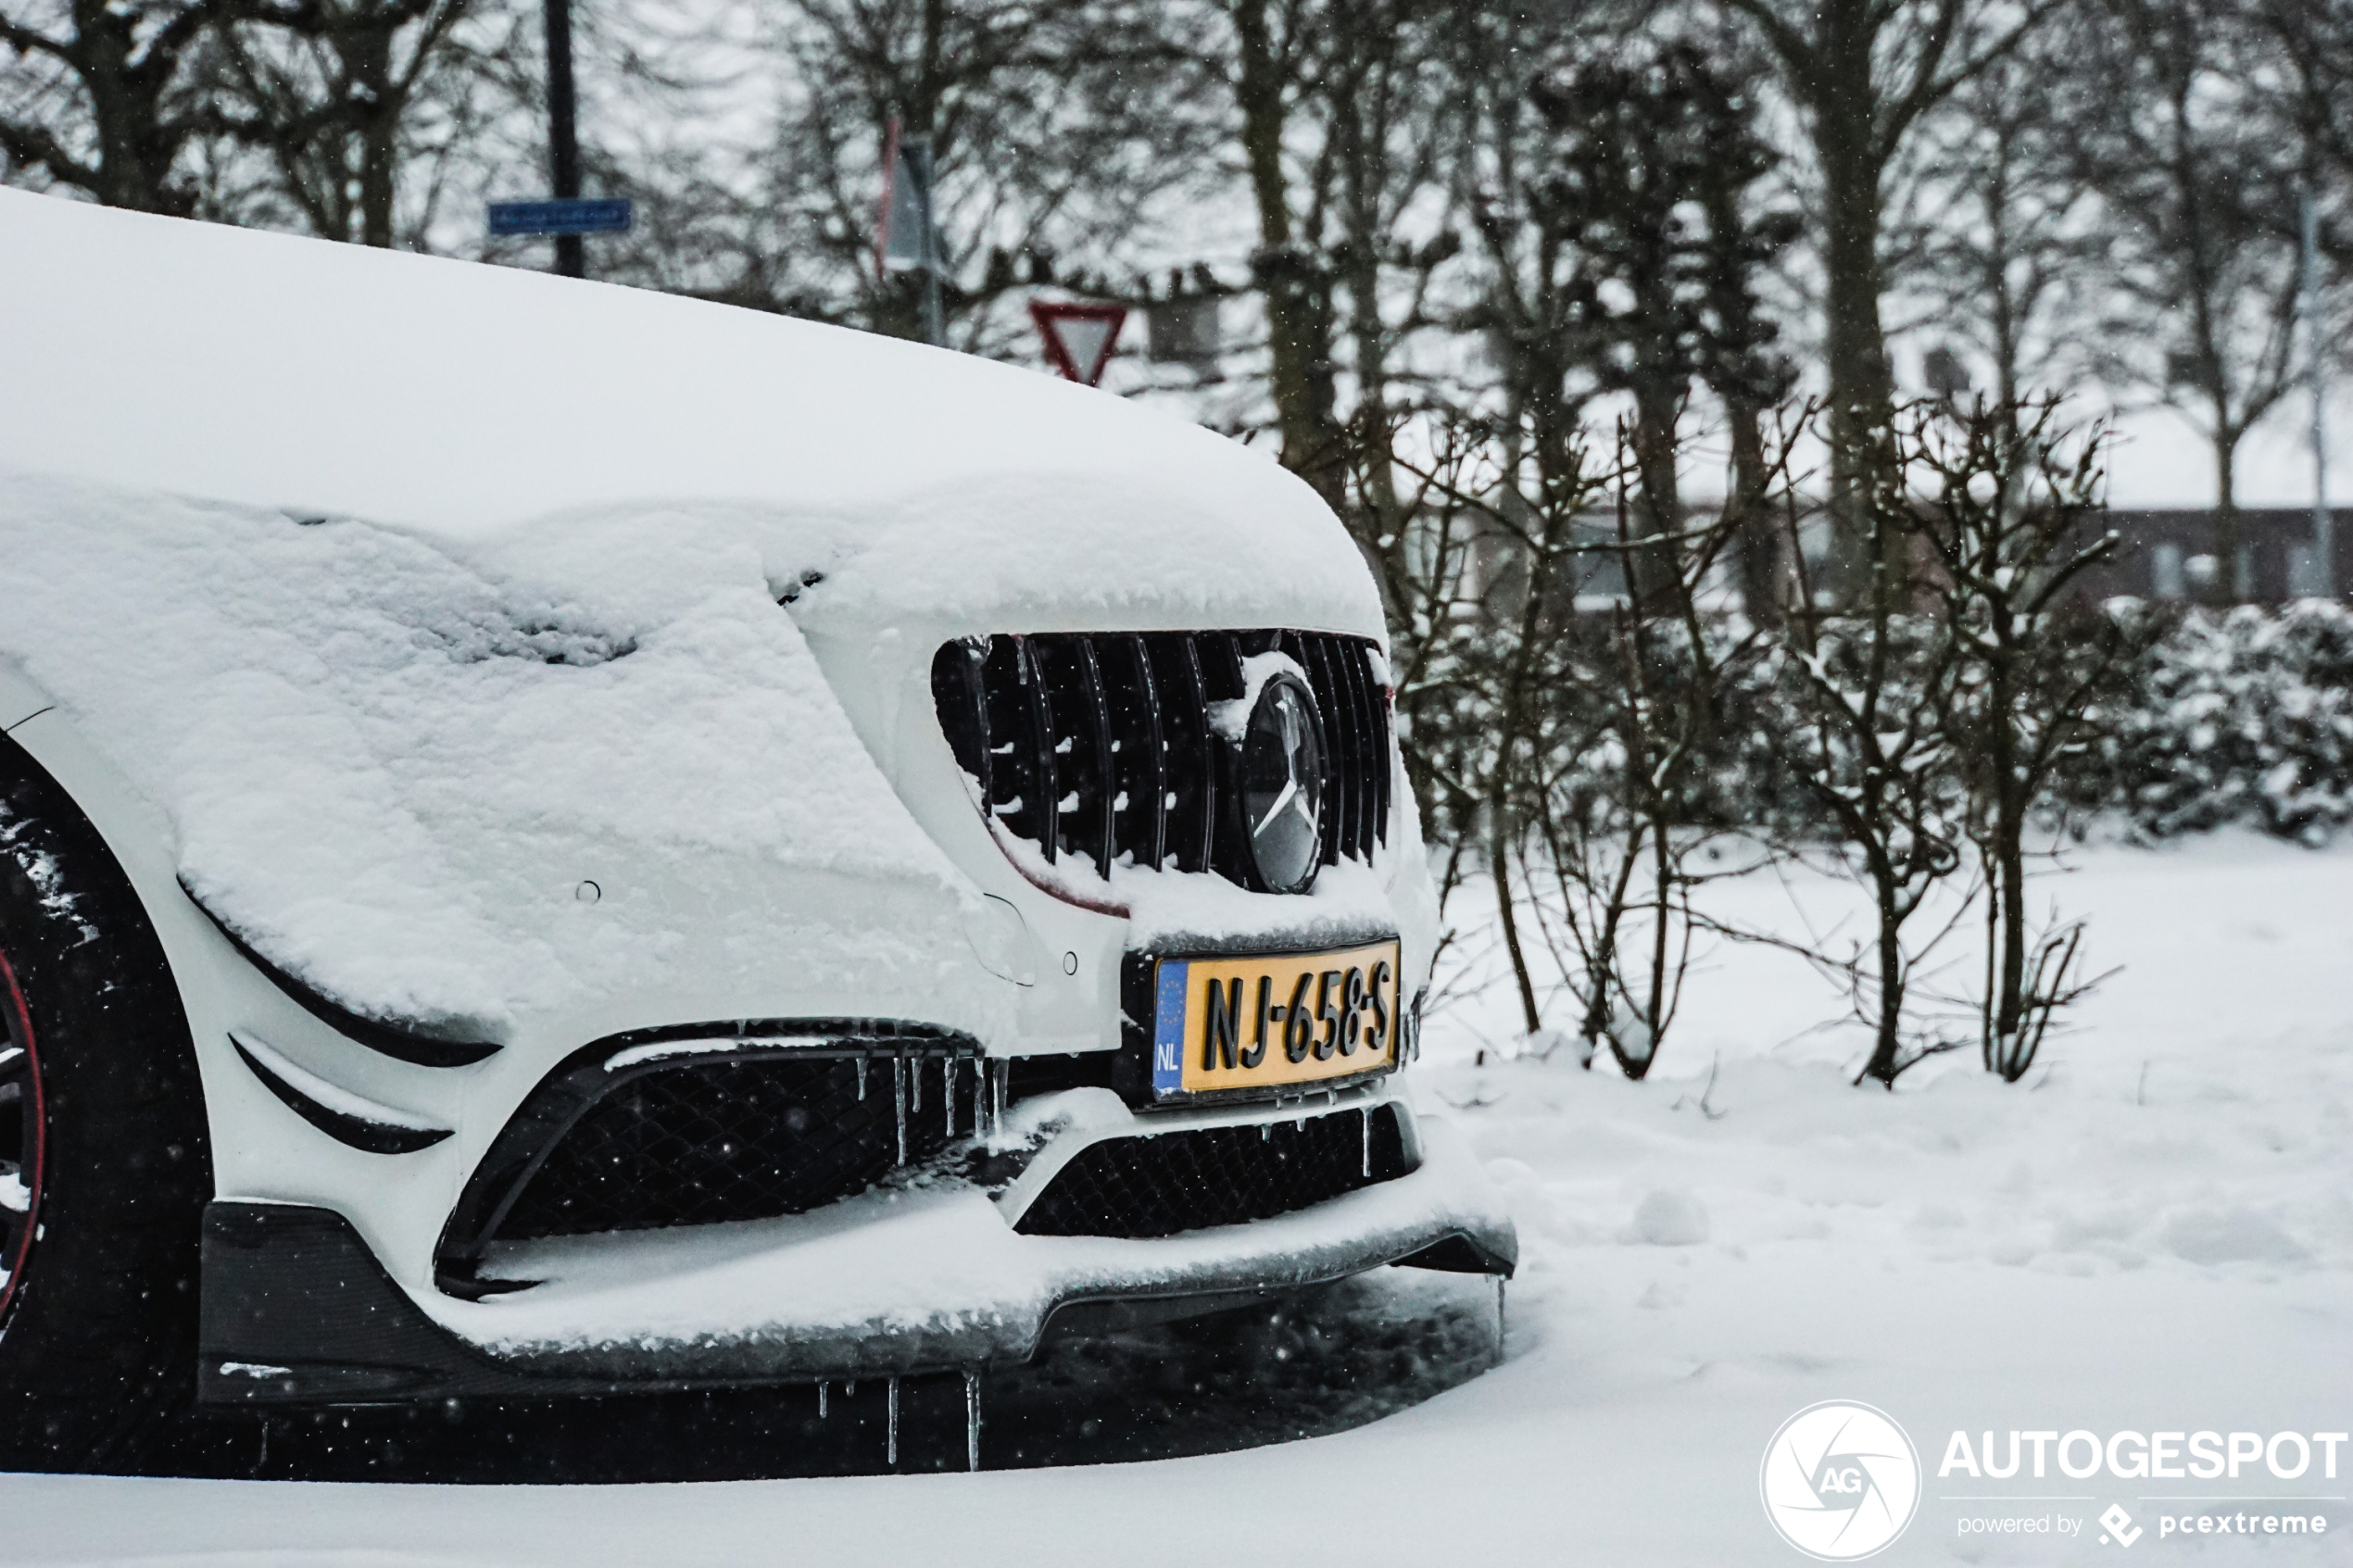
(1839, 1480)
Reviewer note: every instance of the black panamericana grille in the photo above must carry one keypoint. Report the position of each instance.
(1163, 1183)
(1100, 746)
(701, 1138)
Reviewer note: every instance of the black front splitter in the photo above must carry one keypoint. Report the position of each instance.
(297, 1311)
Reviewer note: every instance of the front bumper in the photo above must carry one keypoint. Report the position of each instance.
(297, 1312)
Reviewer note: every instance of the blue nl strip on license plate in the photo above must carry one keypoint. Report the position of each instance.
(1168, 1028)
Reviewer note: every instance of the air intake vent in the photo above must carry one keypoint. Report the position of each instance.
(1165, 1182)
(1099, 747)
(608, 1143)
(701, 1144)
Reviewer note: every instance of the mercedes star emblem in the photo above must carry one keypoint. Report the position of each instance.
(1283, 785)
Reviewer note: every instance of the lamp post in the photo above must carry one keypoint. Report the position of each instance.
(2316, 369)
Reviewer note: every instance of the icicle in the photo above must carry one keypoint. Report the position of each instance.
(1266, 1131)
(899, 1097)
(1001, 1072)
(894, 1421)
(1499, 1316)
(1367, 1112)
(972, 1420)
(915, 1089)
(821, 1398)
(947, 1092)
(861, 1076)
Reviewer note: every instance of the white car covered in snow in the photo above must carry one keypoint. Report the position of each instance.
(557, 838)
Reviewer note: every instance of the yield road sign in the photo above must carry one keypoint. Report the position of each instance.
(1078, 337)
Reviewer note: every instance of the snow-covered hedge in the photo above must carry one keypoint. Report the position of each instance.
(2211, 717)
(2241, 716)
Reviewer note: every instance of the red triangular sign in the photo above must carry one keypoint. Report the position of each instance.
(1078, 338)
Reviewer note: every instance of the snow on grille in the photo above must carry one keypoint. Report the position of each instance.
(1160, 1184)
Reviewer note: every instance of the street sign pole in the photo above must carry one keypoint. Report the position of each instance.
(566, 216)
(563, 139)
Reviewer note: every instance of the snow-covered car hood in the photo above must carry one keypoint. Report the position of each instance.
(417, 596)
(464, 402)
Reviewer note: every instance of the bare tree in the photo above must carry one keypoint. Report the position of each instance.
(2308, 47)
(1488, 650)
(106, 96)
(1342, 125)
(1863, 73)
(1276, 49)
(2009, 252)
(1869, 689)
(1055, 126)
(2196, 181)
(1627, 806)
(1745, 240)
(1427, 567)
(1394, 116)
(2011, 510)
(325, 91)
(1628, 138)
(1536, 305)
(1652, 183)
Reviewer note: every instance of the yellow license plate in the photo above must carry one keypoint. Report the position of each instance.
(1273, 1021)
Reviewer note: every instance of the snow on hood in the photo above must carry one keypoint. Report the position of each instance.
(455, 398)
(412, 590)
(392, 767)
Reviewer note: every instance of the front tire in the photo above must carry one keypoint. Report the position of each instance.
(103, 1165)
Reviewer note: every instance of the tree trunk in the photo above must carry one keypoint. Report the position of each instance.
(1297, 294)
(2231, 585)
(1649, 571)
(1886, 1059)
(1756, 540)
(1369, 335)
(135, 152)
(1499, 860)
(1373, 416)
(2009, 856)
(1514, 727)
(1855, 345)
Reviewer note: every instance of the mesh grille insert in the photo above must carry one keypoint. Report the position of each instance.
(1165, 1182)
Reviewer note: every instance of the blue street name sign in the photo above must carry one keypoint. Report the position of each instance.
(578, 216)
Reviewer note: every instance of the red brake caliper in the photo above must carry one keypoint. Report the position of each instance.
(20, 1186)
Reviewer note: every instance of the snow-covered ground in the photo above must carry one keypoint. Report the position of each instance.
(2154, 1234)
